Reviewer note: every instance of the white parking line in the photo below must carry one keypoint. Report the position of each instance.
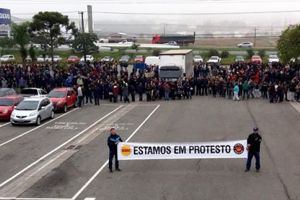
(4, 124)
(15, 198)
(57, 148)
(104, 165)
(31, 130)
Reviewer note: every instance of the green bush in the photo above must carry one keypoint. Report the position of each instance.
(262, 53)
(250, 53)
(224, 54)
(155, 52)
(212, 52)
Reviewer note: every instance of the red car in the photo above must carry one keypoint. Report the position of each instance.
(139, 58)
(7, 105)
(73, 59)
(256, 59)
(63, 98)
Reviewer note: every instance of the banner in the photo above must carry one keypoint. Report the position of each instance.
(205, 150)
(5, 17)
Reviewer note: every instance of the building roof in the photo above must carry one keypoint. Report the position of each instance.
(176, 52)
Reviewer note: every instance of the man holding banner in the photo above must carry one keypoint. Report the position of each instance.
(253, 147)
(112, 142)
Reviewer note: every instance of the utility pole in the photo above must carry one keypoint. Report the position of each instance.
(82, 21)
(254, 43)
(83, 36)
(165, 29)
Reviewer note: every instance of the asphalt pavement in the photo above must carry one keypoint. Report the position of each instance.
(67, 158)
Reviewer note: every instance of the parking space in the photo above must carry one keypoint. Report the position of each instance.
(25, 150)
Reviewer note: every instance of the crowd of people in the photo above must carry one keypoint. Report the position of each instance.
(112, 82)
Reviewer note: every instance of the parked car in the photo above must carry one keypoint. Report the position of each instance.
(198, 59)
(28, 59)
(107, 59)
(32, 110)
(73, 59)
(89, 58)
(7, 105)
(7, 92)
(28, 92)
(124, 61)
(273, 59)
(42, 59)
(62, 98)
(245, 45)
(214, 59)
(256, 59)
(139, 58)
(56, 58)
(239, 59)
(7, 58)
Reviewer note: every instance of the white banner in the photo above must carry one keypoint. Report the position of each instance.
(150, 151)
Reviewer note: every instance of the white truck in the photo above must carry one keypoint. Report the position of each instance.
(175, 64)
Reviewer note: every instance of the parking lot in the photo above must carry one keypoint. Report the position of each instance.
(66, 158)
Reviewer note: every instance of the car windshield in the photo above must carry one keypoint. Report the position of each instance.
(214, 58)
(27, 105)
(57, 94)
(273, 56)
(5, 56)
(198, 57)
(29, 91)
(6, 102)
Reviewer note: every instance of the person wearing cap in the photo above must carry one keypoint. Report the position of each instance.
(253, 147)
(112, 142)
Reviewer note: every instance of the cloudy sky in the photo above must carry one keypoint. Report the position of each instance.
(167, 11)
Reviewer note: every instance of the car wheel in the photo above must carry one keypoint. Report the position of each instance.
(38, 121)
(52, 114)
(13, 124)
(65, 108)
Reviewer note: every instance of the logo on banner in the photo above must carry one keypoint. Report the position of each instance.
(126, 150)
(238, 148)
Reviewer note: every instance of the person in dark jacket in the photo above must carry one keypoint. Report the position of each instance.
(253, 147)
(112, 142)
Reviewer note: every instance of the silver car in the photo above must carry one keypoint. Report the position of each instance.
(32, 110)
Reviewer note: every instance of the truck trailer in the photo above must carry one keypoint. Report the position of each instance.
(179, 39)
(175, 64)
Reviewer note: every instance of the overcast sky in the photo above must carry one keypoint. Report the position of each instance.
(26, 9)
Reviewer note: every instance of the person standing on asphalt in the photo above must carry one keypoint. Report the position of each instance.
(112, 142)
(253, 147)
(236, 91)
(79, 95)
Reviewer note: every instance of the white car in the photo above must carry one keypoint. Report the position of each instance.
(273, 59)
(7, 58)
(214, 59)
(245, 45)
(198, 59)
(32, 110)
(89, 58)
(29, 92)
(42, 59)
(107, 59)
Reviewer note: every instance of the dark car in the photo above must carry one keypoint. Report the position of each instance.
(7, 92)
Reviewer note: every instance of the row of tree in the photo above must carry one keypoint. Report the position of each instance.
(50, 29)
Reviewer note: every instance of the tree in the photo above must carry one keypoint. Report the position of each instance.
(32, 53)
(85, 43)
(6, 43)
(212, 52)
(288, 44)
(21, 37)
(49, 26)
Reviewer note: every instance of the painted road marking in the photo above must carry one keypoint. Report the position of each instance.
(4, 124)
(104, 165)
(66, 125)
(15, 198)
(57, 148)
(31, 130)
